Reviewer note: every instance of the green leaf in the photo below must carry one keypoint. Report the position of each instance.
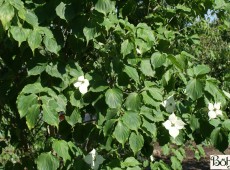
(150, 127)
(226, 94)
(132, 120)
(121, 132)
(136, 142)
(133, 102)
(183, 8)
(51, 45)
(113, 98)
(108, 127)
(31, 18)
(148, 99)
(65, 11)
(33, 115)
(132, 73)
(179, 64)
(178, 154)
(34, 39)
(18, 4)
(74, 118)
(146, 68)
(157, 59)
(219, 139)
(24, 102)
(50, 114)
(105, 6)
(214, 90)
(156, 93)
(130, 161)
(33, 88)
(90, 33)
(226, 124)
(19, 34)
(201, 70)
(194, 123)
(6, 14)
(60, 10)
(126, 47)
(176, 164)
(61, 102)
(37, 70)
(62, 149)
(46, 161)
(194, 89)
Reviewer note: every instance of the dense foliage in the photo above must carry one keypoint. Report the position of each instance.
(97, 84)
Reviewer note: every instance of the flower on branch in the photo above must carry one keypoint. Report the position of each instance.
(214, 110)
(82, 84)
(169, 104)
(173, 125)
(93, 159)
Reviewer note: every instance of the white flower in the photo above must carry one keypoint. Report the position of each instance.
(94, 159)
(82, 84)
(173, 125)
(169, 104)
(214, 110)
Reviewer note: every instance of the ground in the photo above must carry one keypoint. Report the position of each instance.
(190, 162)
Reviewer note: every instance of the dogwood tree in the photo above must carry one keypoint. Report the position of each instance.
(96, 84)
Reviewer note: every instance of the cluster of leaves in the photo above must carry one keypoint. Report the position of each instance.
(134, 53)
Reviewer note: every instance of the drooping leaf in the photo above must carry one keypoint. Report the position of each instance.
(24, 102)
(194, 123)
(130, 162)
(194, 89)
(31, 18)
(213, 89)
(126, 47)
(33, 115)
(113, 98)
(60, 10)
(155, 93)
(74, 118)
(62, 149)
(121, 132)
(133, 102)
(108, 127)
(136, 142)
(105, 6)
(50, 114)
(176, 164)
(51, 45)
(37, 70)
(6, 14)
(19, 34)
(132, 120)
(219, 139)
(132, 73)
(34, 39)
(90, 33)
(146, 68)
(201, 70)
(46, 161)
(150, 128)
(157, 59)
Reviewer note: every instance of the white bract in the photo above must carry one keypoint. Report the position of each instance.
(82, 84)
(138, 51)
(169, 104)
(214, 110)
(93, 159)
(173, 125)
